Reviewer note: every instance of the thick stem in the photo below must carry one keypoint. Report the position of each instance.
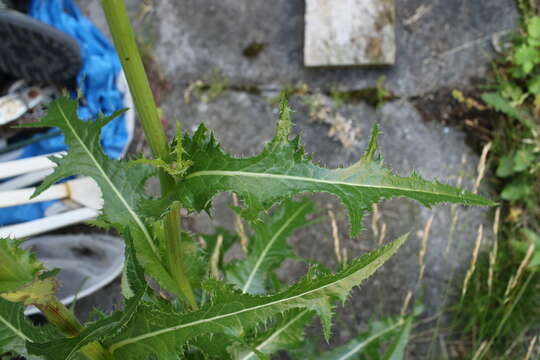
(124, 40)
(61, 317)
(65, 320)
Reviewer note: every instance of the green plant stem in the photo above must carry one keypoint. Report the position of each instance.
(65, 320)
(61, 317)
(124, 40)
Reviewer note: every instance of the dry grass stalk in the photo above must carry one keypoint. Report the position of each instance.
(382, 234)
(239, 227)
(492, 260)
(214, 260)
(480, 350)
(494, 249)
(474, 259)
(482, 166)
(375, 216)
(335, 235)
(423, 248)
(454, 213)
(514, 280)
(406, 303)
(531, 348)
(497, 222)
(345, 256)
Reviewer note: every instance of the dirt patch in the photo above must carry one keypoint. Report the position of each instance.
(476, 122)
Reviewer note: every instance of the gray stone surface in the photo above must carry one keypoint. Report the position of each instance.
(349, 32)
(439, 43)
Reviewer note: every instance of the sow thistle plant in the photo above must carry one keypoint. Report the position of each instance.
(246, 315)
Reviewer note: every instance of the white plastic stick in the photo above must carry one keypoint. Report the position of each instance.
(18, 167)
(22, 196)
(25, 180)
(35, 227)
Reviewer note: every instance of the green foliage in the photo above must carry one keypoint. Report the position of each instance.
(268, 248)
(283, 170)
(17, 267)
(370, 342)
(501, 313)
(121, 183)
(162, 331)
(287, 333)
(16, 330)
(501, 304)
(194, 315)
(518, 97)
(254, 315)
(522, 247)
(23, 279)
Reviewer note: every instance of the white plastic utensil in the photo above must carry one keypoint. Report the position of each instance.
(49, 223)
(18, 167)
(81, 190)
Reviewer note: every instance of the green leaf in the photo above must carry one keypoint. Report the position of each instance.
(22, 277)
(523, 159)
(533, 27)
(16, 330)
(527, 57)
(133, 281)
(121, 184)
(163, 332)
(498, 103)
(268, 247)
(377, 333)
(396, 351)
(534, 85)
(231, 312)
(286, 334)
(517, 189)
(506, 165)
(68, 348)
(18, 267)
(283, 170)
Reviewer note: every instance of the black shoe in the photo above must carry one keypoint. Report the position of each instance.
(36, 52)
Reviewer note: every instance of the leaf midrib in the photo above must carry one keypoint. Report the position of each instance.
(14, 329)
(364, 343)
(118, 194)
(385, 255)
(268, 246)
(313, 180)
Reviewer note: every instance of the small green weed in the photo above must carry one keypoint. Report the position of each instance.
(207, 89)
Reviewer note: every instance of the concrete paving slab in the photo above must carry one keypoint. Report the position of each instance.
(349, 32)
(439, 43)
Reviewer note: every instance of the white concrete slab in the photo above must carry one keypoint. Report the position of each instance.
(349, 32)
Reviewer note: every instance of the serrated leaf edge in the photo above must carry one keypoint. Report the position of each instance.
(377, 262)
(274, 335)
(131, 212)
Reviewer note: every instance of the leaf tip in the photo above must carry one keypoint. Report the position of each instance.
(284, 123)
(369, 155)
